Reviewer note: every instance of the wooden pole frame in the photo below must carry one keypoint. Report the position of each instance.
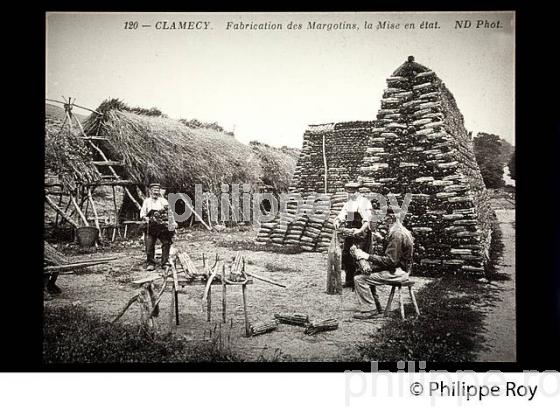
(62, 213)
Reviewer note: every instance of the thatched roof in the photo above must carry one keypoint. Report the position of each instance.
(67, 157)
(277, 166)
(160, 149)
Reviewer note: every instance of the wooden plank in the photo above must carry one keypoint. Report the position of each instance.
(72, 266)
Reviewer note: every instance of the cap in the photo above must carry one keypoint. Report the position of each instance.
(154, 184)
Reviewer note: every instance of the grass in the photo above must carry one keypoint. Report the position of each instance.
(496, 252)
(72, 335)
(449, 329)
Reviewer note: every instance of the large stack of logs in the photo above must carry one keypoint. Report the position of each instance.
(331, 156)
(417, 145)
(422, 147)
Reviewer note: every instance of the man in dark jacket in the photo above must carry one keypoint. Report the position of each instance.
(392, 267)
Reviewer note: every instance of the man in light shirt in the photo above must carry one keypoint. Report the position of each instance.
(356, 215)
(160, 225)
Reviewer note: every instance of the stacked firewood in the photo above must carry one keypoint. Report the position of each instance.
(309, 226)
(263, 327)
(323, 325)
(422, 147)
(296, 319)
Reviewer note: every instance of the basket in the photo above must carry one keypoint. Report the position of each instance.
(87, 235)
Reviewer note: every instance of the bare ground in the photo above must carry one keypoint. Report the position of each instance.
(500, 323)
(106, 289)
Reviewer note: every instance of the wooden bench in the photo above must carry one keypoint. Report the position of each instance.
(394, 287)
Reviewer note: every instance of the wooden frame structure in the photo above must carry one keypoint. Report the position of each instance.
(80, 200)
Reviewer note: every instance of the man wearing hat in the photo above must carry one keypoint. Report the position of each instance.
(356, 215)
(392, 267)
(160, 225)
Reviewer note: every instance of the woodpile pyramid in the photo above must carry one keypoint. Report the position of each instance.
(417, 145)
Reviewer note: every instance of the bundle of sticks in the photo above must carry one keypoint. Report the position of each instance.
(317, 326)
(237, 269)
(190, 271)
(263, 327)
(296, 319)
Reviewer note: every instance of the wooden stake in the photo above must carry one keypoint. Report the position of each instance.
(209, 305)
(390, 301)
(209, 226)
(376, 299)
(247, 325)
(224, 300)
(411, 292)
(172, 313)
(72, 266)
(325, 163)
(160, 295)
(59, 211)
(90, 196)
(79, 210)
(265, 279)
(57, 214)
(175, 292)
(125, 308)
(199, 217)
(401, 304)
(145, 299)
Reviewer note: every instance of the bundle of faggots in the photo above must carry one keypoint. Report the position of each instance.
(341, 146)
(422, 148)
(317, 326)
(260, 328)
(296, 319)
(309, 224)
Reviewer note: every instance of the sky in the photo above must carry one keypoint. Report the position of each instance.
(268, 85)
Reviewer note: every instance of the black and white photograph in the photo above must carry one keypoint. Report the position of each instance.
(296, 187)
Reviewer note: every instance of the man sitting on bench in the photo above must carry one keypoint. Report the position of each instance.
(392, 267)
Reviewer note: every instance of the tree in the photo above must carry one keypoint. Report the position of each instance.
(507, 150)
(511, 165)
(488, 153)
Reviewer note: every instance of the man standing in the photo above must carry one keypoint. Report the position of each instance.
(392, 267)
(160, 225)
(356, 215)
